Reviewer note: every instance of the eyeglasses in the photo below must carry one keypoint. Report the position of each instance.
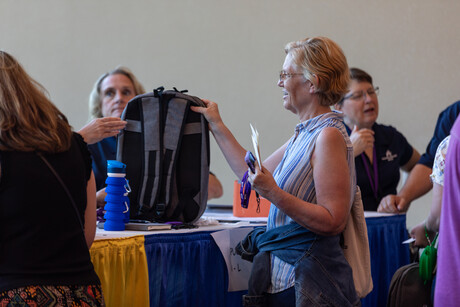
(284, 75)
(357, 96)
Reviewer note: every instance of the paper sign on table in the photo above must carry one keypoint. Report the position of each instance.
(238, 269)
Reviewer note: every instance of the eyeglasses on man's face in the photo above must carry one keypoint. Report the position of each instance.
(358, 96)
(284, 75)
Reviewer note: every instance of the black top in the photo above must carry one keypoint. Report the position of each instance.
(393, 151)
(41, 240)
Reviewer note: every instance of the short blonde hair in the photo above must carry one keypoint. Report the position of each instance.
(29, 121)
(324, 64)
(95, 101)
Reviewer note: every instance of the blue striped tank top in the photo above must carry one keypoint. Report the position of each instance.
(294, 175)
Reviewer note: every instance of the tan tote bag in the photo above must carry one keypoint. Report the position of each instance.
(356, 247)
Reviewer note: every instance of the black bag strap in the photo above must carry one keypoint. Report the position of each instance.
(172, 138)
(64, 187)
(183, 91)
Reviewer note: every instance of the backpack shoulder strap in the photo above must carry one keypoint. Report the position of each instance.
(174, 128)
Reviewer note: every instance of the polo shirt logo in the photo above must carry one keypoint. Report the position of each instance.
(389, 156)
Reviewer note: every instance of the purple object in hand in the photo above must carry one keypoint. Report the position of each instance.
(245, 190)
(250, 160)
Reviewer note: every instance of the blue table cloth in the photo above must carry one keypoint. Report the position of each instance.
(387, 254)
(189, 270)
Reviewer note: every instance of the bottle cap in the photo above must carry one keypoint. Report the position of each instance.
(114, 166)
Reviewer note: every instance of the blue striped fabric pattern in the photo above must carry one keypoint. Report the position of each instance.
(294, 175)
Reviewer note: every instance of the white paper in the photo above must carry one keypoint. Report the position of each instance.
(230, 218)
(255, 144)
(239, 270)
(408, 241)
(378, 214)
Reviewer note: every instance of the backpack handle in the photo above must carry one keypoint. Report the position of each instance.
(158, 91)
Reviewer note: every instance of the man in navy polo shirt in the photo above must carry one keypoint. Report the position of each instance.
(380, 151)
(418, 183)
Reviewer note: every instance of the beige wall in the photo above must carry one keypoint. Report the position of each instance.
(231, 52)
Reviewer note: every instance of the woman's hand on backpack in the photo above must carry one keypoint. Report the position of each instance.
(101, 128)
(211, 113)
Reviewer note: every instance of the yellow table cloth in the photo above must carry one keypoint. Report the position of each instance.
(121, 265)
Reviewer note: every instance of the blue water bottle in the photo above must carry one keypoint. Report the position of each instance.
(116, 204)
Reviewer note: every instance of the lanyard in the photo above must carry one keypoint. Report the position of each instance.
(245, 193)
(374, 182)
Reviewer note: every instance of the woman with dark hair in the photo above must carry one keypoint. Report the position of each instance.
(47, 199)
(380, 151)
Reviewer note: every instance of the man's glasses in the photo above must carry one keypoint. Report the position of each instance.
(284, 75)
(357, 96)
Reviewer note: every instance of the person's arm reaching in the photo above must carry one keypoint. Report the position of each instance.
(400, 203)
(432, 222)
(431, 225)
(412, 161)
(101, 128)
(233, 152)
(417, 184)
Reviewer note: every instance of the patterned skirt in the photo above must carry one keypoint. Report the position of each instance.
(53, 296)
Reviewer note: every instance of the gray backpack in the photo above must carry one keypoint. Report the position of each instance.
(165, 147)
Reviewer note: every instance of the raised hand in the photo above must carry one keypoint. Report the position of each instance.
(101, 128)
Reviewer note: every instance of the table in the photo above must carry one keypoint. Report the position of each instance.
(186, 268)
(163, 268)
